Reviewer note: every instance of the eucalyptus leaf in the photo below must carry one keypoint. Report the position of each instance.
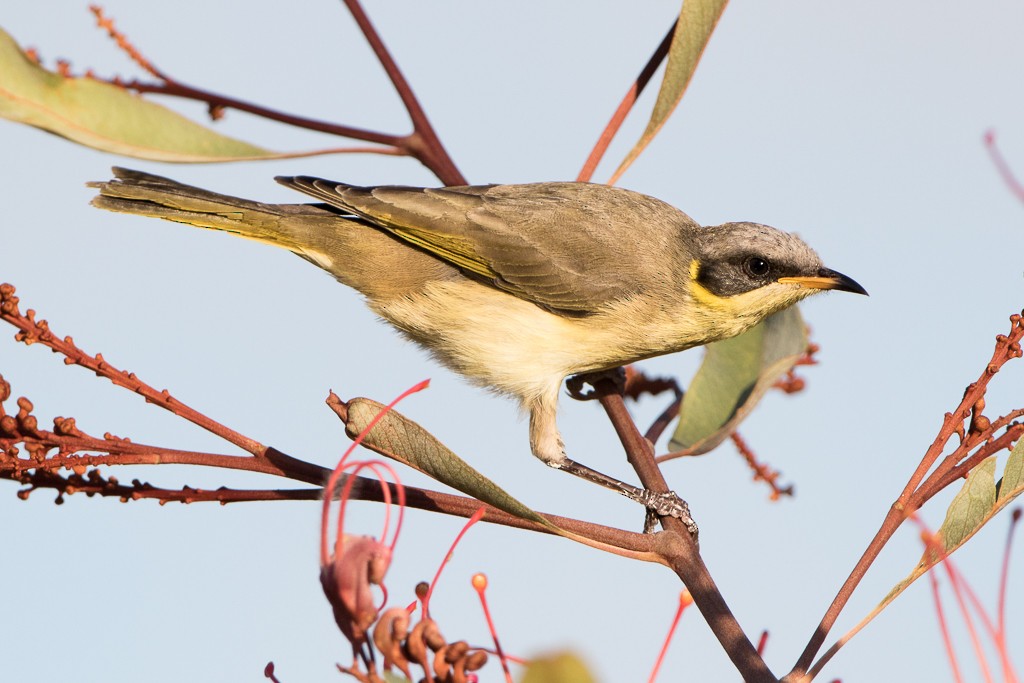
(1013, 474)
(733, 377)
(970, 506)
(106, 117)
(407, 442)
(697, 21)
(977, 502)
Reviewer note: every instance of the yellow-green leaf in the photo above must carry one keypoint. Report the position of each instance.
(563, 667)
(106, 117)
(410, 444)
(697, 21)
(734, 376)
(402, 439)
(973, 506)
(970, 505)
(1013, 474)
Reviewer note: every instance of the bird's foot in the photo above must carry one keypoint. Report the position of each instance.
(665, 505)
(658, 504)
(574, 385)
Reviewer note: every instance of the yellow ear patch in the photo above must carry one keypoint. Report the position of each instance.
(703, 297)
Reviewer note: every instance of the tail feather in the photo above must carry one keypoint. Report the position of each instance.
(145, 194)
(361, 256)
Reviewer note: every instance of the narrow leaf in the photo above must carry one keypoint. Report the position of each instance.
(1013, 474)
(697, 20)
(412, 445)
(973, 506)
(734, 376)
(106, 117)
(970, 506)
(403, 440)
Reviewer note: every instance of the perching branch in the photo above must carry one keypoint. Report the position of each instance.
(68, 447)
(686, 561)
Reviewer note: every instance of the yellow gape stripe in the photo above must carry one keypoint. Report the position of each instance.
(703, 297)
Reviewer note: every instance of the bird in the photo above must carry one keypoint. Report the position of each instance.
(518, 287)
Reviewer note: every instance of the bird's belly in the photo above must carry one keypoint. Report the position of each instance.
(494, 339)
(513, 346)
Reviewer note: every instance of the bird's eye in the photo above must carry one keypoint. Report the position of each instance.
(756, 266)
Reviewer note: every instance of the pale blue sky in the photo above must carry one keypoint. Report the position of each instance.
(857, 125)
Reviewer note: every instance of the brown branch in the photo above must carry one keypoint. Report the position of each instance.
(423, 143)
(107, 24)
(177, 89)
(682, 554)
(920, 489)
(33, 331)
(40, 469)
(610, 130)
(937, 482)
(762, 472)
(93, 483)
(43, 473)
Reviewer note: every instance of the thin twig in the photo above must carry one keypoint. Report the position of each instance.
(33, 331)
(423, 143)
(596, 154)
(916, 493)
(178, 89)
(762, 472)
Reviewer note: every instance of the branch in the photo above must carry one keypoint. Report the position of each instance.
(609, 132)
(422, 144)
(214, 100)
(39, 469)
(682, 553)
(33, 332)
(920, 489)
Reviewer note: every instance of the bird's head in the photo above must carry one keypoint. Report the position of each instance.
(749, 271)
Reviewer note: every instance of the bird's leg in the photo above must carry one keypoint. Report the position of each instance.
(546, 444)
(660, 504)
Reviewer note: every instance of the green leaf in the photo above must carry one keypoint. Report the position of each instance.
(410, 444)
(401, 439)
(970, 506)
(1012, 483)
(563, 667)
(697, 21)
(973, 506)
(734, 376)
(106, 117)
